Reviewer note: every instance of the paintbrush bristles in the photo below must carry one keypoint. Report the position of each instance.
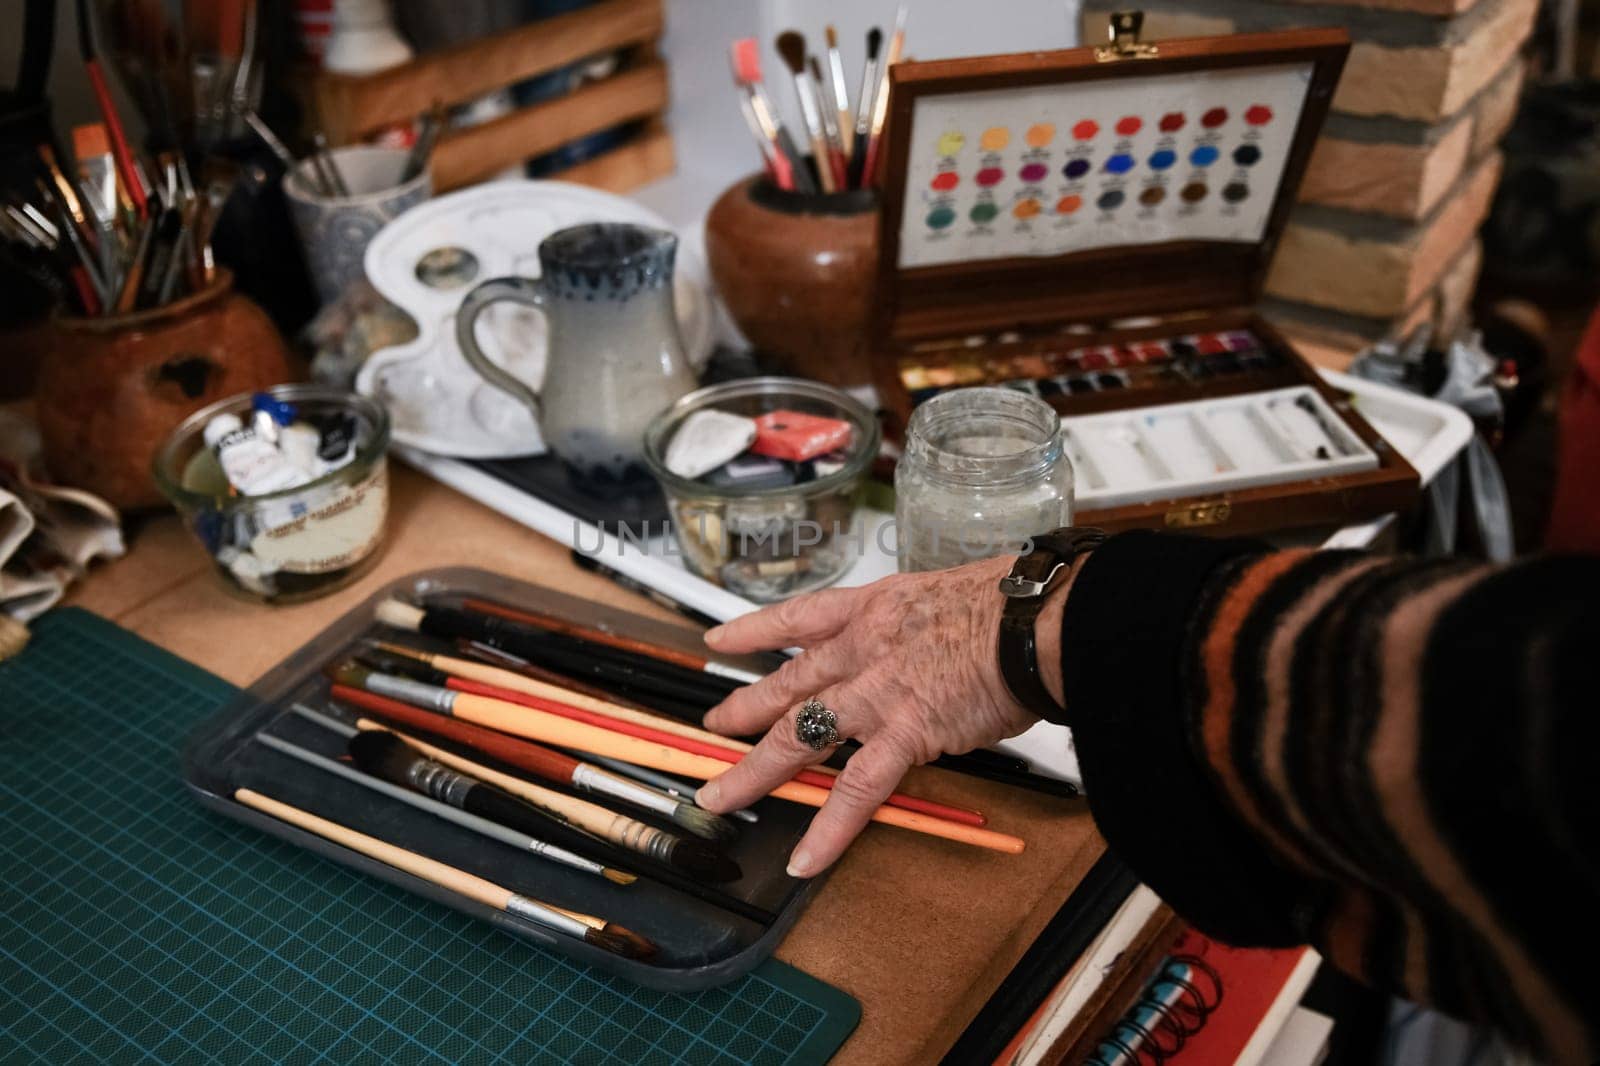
(874, 42)
(400, 615)
(832, 36)
(792, 48)
(702, 823)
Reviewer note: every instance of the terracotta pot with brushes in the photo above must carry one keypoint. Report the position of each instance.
(796, 272)
(111, 388)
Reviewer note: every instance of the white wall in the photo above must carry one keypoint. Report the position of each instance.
(712, 144)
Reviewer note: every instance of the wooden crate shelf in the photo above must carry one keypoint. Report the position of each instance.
(354, 107)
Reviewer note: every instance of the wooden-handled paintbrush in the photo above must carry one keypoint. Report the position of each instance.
(564, 733)
(563, 769)
(608, 936)
(693, 857)
(792, 47)
(475, 678)
(596, 635)
(559, 652)
(465, 818)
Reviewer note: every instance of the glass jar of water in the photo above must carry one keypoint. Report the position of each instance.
(983, 470)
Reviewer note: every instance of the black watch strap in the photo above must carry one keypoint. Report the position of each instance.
(1033, 576)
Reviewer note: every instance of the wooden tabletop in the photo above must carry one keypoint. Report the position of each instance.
(919, 930)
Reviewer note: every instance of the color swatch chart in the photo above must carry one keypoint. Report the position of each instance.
(1064, 168)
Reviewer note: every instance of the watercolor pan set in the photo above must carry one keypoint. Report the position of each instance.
(1068, 374)
(1092, 226)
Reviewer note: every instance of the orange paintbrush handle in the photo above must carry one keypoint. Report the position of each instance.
(727, 753)
(565, 733)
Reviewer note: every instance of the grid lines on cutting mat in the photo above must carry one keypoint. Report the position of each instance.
(134, 926)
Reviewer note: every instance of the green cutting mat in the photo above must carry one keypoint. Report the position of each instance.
(135, 926)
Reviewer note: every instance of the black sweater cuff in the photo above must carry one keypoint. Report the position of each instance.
(1126, 627)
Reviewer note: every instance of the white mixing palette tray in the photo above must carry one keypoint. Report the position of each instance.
(1208, 446)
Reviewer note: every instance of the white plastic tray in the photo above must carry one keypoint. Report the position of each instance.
(1427, 433)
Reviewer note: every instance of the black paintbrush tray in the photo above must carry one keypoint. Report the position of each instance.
(700, 944)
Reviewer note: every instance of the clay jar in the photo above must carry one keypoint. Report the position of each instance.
(111, 388)
(797, 273)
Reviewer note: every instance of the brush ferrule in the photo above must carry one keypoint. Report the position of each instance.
(806, 90)
(565, 857)
(416, 693)
(593, 780)
(732, 673)
(648, 840)
(439, 781)
(537, 912)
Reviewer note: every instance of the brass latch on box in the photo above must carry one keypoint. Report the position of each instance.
(1123, 31)
(1196, 515)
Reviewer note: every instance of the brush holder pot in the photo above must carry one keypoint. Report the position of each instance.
(335, 230)
(298, 543)
(112, 388)
(797, 272)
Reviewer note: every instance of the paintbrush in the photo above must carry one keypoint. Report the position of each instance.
(792, 48)
(564, 769)
(693, 857)
(327, 166)
(864, 106)
(746, 56)
(492, 656)
(830, 125)
(427, 137)
(596, 635)
(560, 732)
(270, 139)
(880, 106)
(669, 786)
(844, 120)
(622, 695)
(506, 680)
(475, 679)
(557, 652)
(556, 829)
(464, 818)
(108, 110)
(609, 937)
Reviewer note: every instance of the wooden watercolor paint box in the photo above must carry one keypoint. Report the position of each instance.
(1093, 226)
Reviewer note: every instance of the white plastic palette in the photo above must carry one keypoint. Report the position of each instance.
(426, 260)
(1210, 446)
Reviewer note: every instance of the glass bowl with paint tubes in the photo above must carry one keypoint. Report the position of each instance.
(287, 490)
(762, 477)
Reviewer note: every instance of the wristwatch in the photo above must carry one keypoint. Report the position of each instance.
(1032, 578)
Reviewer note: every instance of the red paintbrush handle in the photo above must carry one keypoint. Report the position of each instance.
(119, 143)
(700, 747)
(523, 754)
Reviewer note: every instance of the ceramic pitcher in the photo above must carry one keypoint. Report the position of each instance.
(613, 355)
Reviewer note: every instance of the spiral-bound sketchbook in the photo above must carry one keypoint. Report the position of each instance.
(1209, 1003)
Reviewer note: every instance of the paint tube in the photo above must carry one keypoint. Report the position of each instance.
(253, 464)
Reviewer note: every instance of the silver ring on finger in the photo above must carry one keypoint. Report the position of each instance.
(815, 726)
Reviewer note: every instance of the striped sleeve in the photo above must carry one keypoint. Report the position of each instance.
(1382, 757)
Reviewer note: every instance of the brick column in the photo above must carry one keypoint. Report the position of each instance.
(1384, 237)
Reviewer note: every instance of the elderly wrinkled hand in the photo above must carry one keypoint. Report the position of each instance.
(906, 664)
